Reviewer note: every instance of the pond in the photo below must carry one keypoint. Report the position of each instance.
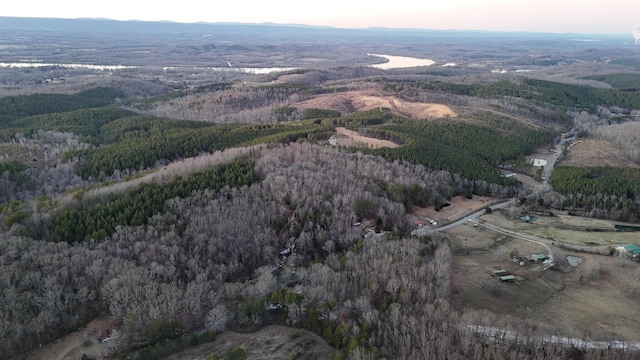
(574, 260)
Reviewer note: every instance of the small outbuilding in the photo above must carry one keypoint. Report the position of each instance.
(536, 258)
(528, 218)
(632, 249)
(539, 162)
(503, 275)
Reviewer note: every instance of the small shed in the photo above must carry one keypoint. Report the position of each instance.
(619, 227)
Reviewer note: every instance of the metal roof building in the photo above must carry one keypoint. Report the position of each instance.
(633, 249)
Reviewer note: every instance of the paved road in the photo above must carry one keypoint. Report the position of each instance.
(526, 237)
(551, 163)
(475, 215)
(501, 334)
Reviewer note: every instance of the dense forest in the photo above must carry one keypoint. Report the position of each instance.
(123, 141)
(626, 82)
(604, 192)
(473, 151)
(558, 94)
(187, 267)
(290, 231)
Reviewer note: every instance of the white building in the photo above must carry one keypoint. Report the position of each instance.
(539, 162)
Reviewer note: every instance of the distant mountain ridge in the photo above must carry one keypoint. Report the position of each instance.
(101, 25)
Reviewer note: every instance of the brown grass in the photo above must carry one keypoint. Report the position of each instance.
(350, 138)
(597, 152)
(269, 343)
(352, 101)
(460, 206)
(71, 347)
(573, 230)
(603, 307)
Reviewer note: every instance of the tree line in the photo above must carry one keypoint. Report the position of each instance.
(558, 94)
(134, 208)
(27, 105)
(604, 191)
(473, 151)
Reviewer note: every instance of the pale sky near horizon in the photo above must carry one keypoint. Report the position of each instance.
(559, 16)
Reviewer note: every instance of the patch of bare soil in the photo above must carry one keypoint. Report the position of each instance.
(597, 152)
(459, 207)
(352, 101)
(269, 343)
(71, 347)
(347, 137)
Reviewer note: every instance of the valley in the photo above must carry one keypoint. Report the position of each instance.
(226, 191)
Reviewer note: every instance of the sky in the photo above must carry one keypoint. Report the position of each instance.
(557, 16)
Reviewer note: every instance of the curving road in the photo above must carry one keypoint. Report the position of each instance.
(471, 217)
(474, 215)
(526, 237)
(551, 163)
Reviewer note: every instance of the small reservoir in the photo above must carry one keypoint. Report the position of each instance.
(574, 260)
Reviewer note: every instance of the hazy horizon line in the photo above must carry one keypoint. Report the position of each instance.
(269, 23)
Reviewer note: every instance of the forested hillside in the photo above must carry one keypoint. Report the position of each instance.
(558, 94)
(293, 231)
(187, 267)
(603, 192)
(473, 151)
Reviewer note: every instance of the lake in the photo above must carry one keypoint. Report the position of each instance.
(398, 62)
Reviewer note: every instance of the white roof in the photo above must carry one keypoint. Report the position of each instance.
(539, 162)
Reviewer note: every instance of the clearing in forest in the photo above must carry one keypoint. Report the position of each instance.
(352, 101)
(270, 342)
(86, 341)
(458, 207)
(346, 137)
(596, 152)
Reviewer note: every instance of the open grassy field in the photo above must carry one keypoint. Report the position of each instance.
(458, 207)
(598, 298)
(352, 138)
(597, 152)
(567, 229)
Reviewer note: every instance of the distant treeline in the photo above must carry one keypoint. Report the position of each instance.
(125, 141)
(562, 95)
(27, 105)
(626, 82)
